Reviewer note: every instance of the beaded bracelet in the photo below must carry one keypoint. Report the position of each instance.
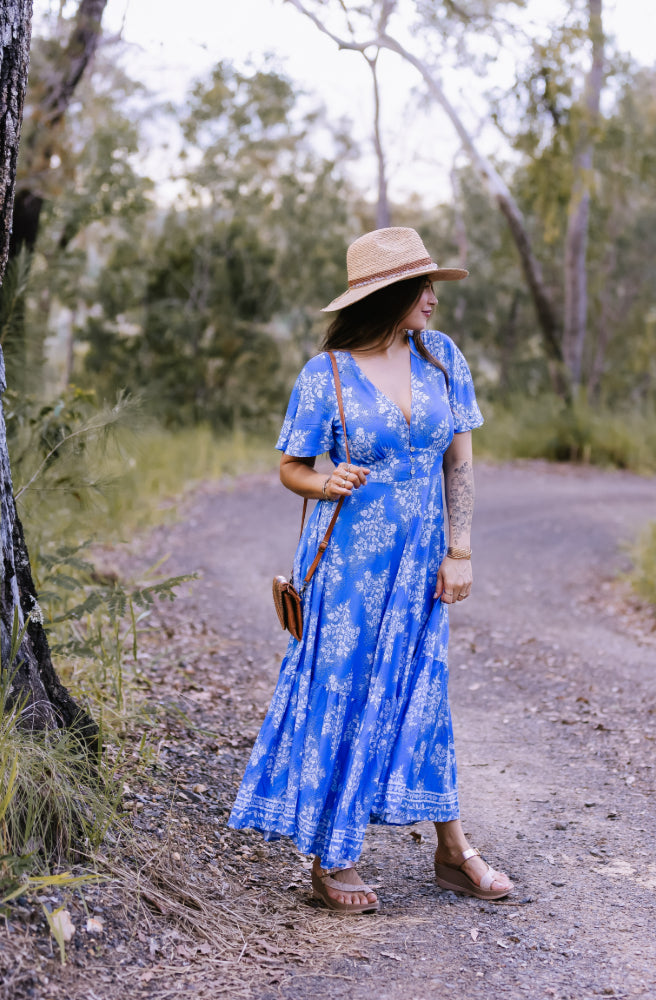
(454, 553)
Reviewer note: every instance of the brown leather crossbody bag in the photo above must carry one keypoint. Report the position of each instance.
(287, 599)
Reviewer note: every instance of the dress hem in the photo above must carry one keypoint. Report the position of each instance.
(342, 846)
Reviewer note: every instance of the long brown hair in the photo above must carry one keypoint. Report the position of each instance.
(371, 323)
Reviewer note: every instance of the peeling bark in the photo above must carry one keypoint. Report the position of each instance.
(15, 35)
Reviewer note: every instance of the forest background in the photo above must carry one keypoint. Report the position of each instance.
(171, 255)
(185, 249)
(175, 236)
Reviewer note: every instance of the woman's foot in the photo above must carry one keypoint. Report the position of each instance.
(477, 873)
(461, 868)
(328, 883)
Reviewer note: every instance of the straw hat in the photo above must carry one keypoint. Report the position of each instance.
(378, 259)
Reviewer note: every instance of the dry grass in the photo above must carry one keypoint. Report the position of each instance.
(233, 939)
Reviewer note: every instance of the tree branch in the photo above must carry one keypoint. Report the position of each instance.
(341, 43)
(47, 113)
(546, 315)
(82, 44)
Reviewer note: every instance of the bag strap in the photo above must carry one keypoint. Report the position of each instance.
(340, 403)
(323, 545)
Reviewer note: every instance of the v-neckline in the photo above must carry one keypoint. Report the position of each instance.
(380, 392)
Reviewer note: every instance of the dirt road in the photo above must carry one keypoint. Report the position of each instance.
(553, 696)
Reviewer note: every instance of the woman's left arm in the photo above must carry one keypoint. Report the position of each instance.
(454, 579)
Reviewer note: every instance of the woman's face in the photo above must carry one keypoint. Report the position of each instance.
(419, 315)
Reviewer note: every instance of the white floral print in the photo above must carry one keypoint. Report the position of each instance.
(359, 727)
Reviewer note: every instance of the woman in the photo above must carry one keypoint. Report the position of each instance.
(359, 728)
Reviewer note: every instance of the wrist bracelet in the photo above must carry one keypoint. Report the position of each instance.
(455, 553)
(325, 495)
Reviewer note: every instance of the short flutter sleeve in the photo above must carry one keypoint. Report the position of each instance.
(462, 398)
(308, 426)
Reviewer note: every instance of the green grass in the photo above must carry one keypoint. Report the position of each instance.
(132, 481)
(545, 428)
(54, 803)
(166, 464)
(643, 576)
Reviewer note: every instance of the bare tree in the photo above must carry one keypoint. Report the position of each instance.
(546, 312)
(576, 240)
(32, 680)
(383, 217)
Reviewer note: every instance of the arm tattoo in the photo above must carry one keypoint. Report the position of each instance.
(459, 488)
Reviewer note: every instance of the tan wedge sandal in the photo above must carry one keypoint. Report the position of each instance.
(321, 880)
(454, 878)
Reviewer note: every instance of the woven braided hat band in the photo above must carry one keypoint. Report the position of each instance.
(384, 257)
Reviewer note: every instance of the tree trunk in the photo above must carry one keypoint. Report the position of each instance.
(508, 344)
(576, 241)
(33, 684)
(606, 321)
(15, 34)
(383, 217)
(460, 234)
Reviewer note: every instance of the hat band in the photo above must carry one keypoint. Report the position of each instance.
(393, 273)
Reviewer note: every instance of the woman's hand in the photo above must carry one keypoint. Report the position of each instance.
(343, 480)
(299, 476)
(454, 580)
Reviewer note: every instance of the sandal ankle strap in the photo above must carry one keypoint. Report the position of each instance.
(326, 872)
(471, 852)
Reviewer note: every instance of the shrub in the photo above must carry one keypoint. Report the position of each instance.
(545, 427)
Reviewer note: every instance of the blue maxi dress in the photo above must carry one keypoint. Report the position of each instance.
(359, 727)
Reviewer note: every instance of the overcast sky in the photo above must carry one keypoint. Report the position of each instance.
(174, 42)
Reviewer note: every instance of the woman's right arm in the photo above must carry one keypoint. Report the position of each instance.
(299, 476)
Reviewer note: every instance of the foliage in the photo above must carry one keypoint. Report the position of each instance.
(206, 310)
(14, 286)
(643, 576)
(199, 346)
(105, 472)
(543, 117)
(86, 475)
(206, 302)
(50, 445)
(76, 168)
(94, 622)
(544, 427)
